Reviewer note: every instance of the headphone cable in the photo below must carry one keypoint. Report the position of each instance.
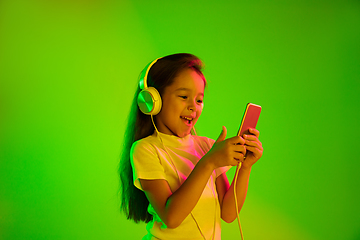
(236, 203)
(177, 174)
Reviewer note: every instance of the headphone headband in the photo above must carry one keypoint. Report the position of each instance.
(144, 74)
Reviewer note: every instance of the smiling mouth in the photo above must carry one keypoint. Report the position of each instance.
(187, 119)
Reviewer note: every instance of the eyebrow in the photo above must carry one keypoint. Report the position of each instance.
(186, 89)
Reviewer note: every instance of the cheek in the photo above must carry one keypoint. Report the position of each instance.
(200, 107)
(199, 111)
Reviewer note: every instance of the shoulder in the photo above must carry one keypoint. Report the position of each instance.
(147, 144)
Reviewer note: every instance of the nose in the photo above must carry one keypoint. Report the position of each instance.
(192, 106)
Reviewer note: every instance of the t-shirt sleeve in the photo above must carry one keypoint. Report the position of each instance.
(145, 163)
(221, 170)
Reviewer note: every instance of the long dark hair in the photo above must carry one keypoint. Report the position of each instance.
(133, 201)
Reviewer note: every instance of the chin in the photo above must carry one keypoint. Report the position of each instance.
(181, 135)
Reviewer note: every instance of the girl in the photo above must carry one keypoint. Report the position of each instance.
(171, 179)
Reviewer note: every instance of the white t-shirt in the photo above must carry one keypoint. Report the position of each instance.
(150, 160)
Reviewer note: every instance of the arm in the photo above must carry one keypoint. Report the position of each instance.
(227, 202)
(173, 208)
(226, 192)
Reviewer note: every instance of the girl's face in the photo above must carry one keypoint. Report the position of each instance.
(182, 104)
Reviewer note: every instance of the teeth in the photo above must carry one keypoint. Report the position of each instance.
(187, 118)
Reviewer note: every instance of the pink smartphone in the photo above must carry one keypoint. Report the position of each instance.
(250, 118)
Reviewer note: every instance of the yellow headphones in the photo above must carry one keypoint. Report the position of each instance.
(149, 99)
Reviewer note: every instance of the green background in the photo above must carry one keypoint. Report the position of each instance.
(69, 71)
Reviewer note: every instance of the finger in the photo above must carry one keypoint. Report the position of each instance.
(239, 149)
(239, 157)
(254, 132)
(239, 152)
(222, 134)
(255, 143)
(254, 150)
(251, 137)
(236, 140)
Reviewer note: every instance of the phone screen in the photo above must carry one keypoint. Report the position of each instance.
(250, 118)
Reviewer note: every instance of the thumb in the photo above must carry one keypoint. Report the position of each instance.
(222, 134)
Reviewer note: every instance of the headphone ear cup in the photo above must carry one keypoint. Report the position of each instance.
(149, 101)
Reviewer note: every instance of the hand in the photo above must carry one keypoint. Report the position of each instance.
(227, 152)
(253, 147)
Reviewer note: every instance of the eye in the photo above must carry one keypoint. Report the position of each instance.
(200, 101)
(183, 97)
